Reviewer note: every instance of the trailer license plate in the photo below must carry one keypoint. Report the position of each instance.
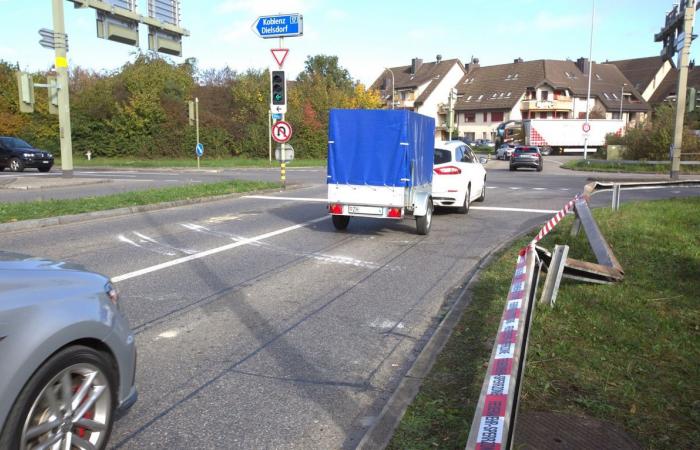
(371, 210)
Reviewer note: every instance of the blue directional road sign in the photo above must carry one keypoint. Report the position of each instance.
(199, 150)
(283, 25)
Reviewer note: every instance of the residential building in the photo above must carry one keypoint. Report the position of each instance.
(420, 87)
(645, 74)
(542, 89)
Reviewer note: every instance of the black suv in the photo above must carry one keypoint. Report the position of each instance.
(18, 155)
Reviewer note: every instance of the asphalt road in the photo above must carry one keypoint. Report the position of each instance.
(260, 326)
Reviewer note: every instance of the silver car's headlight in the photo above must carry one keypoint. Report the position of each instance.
(49, 155)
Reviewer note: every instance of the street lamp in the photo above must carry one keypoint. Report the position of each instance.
(622, 95)
(392, 86)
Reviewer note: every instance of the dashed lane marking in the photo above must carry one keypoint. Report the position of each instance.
(213, 251)
(494, 208)
(296, 199)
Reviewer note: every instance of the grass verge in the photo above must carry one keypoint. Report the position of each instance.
(11, 212)
(613, 166)
(189, 163)
(625, 353)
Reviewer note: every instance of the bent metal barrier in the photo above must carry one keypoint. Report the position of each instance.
(494, 419)
(495, 414)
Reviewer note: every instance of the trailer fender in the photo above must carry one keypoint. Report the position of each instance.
(421, 203)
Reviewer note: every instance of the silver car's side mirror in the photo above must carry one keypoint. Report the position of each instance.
(483, 159)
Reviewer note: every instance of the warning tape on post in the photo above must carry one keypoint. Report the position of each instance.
(492, 426)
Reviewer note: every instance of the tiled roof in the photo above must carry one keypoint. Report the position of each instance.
(501, 86)
(431, 72)
(482, 87)
(640, 71)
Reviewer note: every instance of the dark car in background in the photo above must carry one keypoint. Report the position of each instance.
(17, 155)
(67, 356)
(526, 156)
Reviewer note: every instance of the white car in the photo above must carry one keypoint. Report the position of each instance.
(459, 177)
(505, 151)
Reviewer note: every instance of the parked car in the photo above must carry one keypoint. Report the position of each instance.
(505, 151)
(17, 155)
(526, 156)
(459, 176)
(68, 356)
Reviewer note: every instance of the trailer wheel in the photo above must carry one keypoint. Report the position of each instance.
(423, 222)
(341, 222)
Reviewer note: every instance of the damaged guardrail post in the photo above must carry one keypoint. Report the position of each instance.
(555, 271)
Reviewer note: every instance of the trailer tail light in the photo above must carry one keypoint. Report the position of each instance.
(448, 170)
(394, 213)
(335, 208)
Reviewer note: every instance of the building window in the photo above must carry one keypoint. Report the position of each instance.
(545, 95)
(470, 117)
(486, 116)
(582, 115)
(543, 115)
(559, 94)
(531, 94)
(497, 116)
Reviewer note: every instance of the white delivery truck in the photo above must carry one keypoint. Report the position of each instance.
(380, 165)
(568, 135)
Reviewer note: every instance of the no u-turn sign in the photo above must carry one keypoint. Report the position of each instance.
(281, 132)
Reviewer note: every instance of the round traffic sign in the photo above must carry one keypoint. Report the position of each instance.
(199, 150)
(281, 132)
(586, 127)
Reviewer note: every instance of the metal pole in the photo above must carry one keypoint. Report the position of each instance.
(61, 63)
(590, 73)
(392, 86)
(681, 91)
(196, 121)
(269, 136)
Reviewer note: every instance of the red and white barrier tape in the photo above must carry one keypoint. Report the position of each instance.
(553, 222)
(493, 414)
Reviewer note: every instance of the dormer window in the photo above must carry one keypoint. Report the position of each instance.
(469, 98)
(515, 77)
(605, 94)
(509, 77)
(501, 95)
(508, 94)
(480, 97)
(614, 96)
(597, 77)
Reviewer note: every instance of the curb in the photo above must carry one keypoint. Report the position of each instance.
(59, 184)
(382, 430)
(32, 224)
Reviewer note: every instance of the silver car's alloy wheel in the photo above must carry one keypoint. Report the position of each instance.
(15, 165)
(72, 411)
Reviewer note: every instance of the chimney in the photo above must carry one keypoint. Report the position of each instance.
(438, 58)
(415, 65)
(583, 65)
(691, 64)
(518, 60)
(472, 64)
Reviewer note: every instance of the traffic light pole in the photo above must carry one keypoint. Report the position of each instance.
(681, 90)
(61, 63)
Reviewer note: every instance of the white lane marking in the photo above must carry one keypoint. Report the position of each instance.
(296, 199)
(385, 324)
(488, 208)
(169, 334)
(145, 238)
(493, 208)
(491, 187)
(564, 189)
(213, 251)
(123, 238)
(321, 257)
(514, 188)
(163, 248)
(540, 189)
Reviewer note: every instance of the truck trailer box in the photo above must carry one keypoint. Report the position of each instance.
(569, 134)
(380, 165)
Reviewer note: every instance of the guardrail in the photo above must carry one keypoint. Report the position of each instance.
(495, 417)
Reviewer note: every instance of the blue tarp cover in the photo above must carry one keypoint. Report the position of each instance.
(376, 147)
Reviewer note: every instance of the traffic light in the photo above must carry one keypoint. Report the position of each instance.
(25, 86)
(279, 95)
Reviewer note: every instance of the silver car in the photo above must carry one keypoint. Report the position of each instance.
(67, 356)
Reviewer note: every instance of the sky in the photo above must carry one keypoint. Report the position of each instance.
(365, 35)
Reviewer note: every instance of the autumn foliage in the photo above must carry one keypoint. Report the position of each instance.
(140, 110)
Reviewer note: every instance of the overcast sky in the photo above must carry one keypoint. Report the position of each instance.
(365, 35)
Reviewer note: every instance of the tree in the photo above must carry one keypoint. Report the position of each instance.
(326, 68)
